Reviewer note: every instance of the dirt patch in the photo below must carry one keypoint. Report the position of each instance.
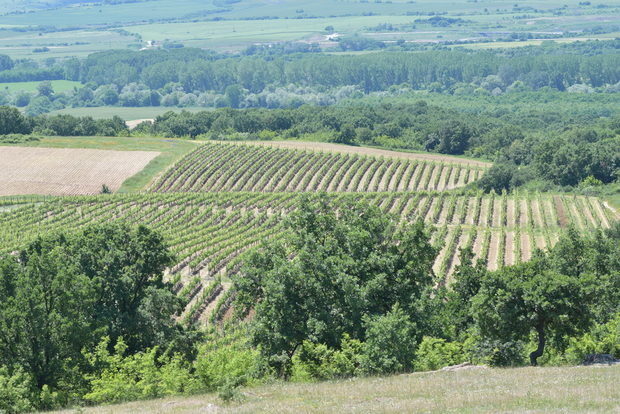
(376, 152)
(134, 123)
(63, 171)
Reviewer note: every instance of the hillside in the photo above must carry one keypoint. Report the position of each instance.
(533, 390)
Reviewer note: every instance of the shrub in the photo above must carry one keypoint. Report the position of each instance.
(390, 343)
(231, 365)
(436, 353)
(138, 376)
(319, 362)
(500, 354)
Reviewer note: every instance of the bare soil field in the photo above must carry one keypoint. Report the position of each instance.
(60, 171)
(376, 152)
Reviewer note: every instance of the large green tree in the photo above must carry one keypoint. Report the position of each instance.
(339, 265)
(62, 293)
(534, 297)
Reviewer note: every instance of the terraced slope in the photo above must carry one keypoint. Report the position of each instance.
(210, 233)
(234, 167)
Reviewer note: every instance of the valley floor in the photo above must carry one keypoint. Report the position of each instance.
(533, 390)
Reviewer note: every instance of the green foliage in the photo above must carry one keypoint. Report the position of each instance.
(319, 362)
(227, 365)
(601, 339)
(141, 375)
(390, 342)
(13, 122)
(16, 394)
(337, 266)
(66, 290)
(435, 353)
(536, 296)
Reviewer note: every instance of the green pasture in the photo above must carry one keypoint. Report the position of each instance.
(126, 113)
(57, 85)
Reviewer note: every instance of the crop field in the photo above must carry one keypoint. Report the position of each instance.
(67, 171)
(211, 233)
(57, 85)
(125, 113)
(232, 167)
(94, 26)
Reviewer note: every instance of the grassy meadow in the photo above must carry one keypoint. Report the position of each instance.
(532, 390)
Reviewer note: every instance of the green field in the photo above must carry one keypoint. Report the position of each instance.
(533, 390)
(126, 113)
(235, 25)
(58, 85)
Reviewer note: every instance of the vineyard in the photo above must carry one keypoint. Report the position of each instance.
(210, 233)
(261, 168)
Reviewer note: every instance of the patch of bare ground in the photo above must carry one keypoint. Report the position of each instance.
(538, 218)
(348, 149)
(444, 250)
(485, 205)
(541, 243)
(391, 186)
(135, 122)
(510, 213)
(576, 215)
(494, 251)
(454, 175)
(509, 253)
(456, 260)
(441, 185)
(458, 211)
(524, 219)
(423, 178)
(462, 176)
(471, 207)
(585, 207)
(600, 212)
(497, 212)
(526, 247)
(67, 171)
(477, 245)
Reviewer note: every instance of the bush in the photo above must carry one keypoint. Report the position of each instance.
(231, 365)
(602, 339)
(319, 362)
(139, 376)
(501, 354)
(390, 343)
(436, 353)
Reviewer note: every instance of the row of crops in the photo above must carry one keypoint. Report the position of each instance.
(230, 167)
(211, 232)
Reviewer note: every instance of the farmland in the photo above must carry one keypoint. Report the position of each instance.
(211, 233)
(57, 86)
(263, 168)
(67, 171)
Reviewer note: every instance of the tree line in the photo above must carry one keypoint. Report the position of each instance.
(553, 151)
(194, 77)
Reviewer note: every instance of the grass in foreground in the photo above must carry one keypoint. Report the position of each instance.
(171, 150)
(574, 389)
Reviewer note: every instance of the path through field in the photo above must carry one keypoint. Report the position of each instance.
(63, 171)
